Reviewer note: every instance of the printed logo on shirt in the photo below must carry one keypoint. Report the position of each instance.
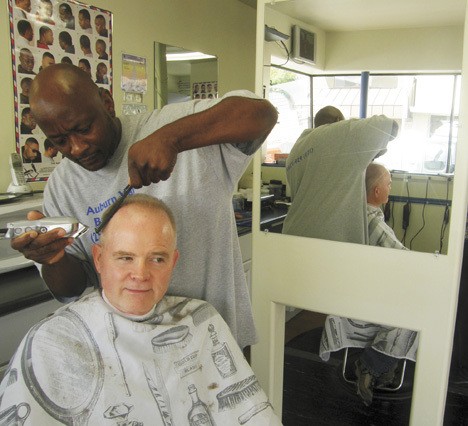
(99, 210)
(299, 159)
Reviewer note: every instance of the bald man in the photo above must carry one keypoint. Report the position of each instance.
(378, 186)
(325, 171)
(169, 360)
(195, 151)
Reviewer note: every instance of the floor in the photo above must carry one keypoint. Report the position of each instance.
(315, 393)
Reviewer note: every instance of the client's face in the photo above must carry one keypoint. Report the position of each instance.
(135, 258)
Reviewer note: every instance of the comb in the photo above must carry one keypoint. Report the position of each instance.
(113, 209)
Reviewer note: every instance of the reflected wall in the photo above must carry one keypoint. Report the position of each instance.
(182, 75)
(422, 156)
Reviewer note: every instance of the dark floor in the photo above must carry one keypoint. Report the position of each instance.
(315, 392)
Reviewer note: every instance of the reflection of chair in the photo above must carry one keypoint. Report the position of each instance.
(401, 370)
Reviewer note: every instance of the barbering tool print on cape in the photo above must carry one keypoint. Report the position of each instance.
(247, 416)
(175, 310)
(199, 414)
(188, 364)
(222, 356)
(176, 337)
(160, 395)
(112, 332)
(15, 415)
(237, 393)
(203, 313)
(64, 371)
(120, 413)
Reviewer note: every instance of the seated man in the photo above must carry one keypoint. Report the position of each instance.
(383, 346)
(129, 353)
(378, 185)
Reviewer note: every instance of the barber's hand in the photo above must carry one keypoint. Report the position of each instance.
(47, 248)
(151, 160)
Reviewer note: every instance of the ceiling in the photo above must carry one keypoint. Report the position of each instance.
(351, 15)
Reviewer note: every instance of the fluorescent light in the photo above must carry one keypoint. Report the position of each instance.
(187, 56)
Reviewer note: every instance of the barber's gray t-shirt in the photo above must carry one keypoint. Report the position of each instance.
(326, 173)
(199, 192)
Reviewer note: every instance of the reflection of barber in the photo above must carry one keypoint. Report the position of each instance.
(378, 185)
(325, 171)
(30, 151)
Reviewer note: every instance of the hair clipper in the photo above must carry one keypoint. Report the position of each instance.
(72, 227)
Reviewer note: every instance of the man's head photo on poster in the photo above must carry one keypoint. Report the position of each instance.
(44, 33)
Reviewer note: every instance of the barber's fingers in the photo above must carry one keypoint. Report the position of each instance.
(146, 175)
(42, 248)
(34, 215)
(151, 168)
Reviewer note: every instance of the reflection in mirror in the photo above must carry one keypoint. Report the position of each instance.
(182, 75)
(321, 379)
(421, 158)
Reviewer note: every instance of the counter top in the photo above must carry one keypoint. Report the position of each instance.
(270, 215)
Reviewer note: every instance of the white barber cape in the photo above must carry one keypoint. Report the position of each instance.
(90, 365)
(339, 333)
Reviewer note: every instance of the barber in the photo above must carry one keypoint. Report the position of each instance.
(204, 146)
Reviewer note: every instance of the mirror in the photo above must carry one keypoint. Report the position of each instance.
(182, 74)
(421, 158)
(320, 384)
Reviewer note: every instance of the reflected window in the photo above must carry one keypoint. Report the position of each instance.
(425, 107)
(290, 94)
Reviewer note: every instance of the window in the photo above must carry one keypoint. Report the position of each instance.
(290, 94)
(424, 105)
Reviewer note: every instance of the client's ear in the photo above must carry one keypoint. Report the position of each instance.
(96, 251)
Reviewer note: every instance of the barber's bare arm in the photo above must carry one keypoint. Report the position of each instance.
(63, 273)
(233, 120)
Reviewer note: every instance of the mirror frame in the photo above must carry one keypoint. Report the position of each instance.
(302, 272)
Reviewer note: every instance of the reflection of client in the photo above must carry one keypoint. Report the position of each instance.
(325, 171)
(135, 355)
(378, 185)
(383, 346)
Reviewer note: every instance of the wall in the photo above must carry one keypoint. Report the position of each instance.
(204, 71)
(402, 50)
(378, 51)
(180, 23)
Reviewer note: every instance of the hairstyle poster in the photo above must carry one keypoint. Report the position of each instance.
(46, 32)
(205, 90)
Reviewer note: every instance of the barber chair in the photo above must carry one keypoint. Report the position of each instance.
(399, 390)
(394, 386)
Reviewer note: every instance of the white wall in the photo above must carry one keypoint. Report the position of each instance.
(225, 28)
(418, 49)
(421, 49)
